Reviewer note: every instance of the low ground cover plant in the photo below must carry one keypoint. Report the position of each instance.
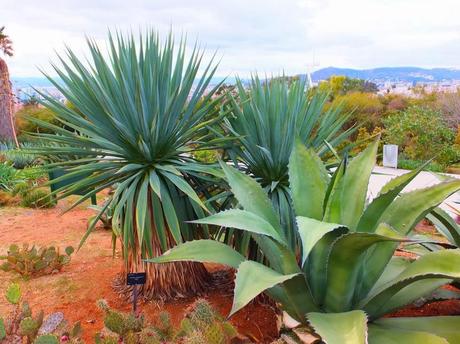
(35, 261)
(346, 276)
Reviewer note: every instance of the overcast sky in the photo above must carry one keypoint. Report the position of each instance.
(268, 36)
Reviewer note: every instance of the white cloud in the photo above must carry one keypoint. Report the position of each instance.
(264, 35)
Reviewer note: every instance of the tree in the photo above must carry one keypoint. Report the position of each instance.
(7, 131)
(136, 116)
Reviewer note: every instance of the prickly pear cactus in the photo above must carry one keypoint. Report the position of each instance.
(13, 294)
(46, 339)
(2, 329)
(28, 327)
(33, 261)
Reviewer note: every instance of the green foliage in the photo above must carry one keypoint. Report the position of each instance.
(35, 261)
(346, 275)
(340, 85)
(140, 109)
(408, 164)
(367, 108)
(19, 158)
(21, 189)
(37, 198)
(421, 134)
(23, 117)
(9, 176)
(266, 118)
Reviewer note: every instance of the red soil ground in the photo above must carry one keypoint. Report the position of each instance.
(89, 277)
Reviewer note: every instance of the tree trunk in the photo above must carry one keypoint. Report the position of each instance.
(7, 131)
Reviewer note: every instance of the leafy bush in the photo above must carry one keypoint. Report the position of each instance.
(25, 125)
(421, 134)
(202, 324)
(367, 108)
(35, 261)
(22, 326)
(407, 164)
(344, 272)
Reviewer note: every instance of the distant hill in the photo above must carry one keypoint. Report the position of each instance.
(405, 74)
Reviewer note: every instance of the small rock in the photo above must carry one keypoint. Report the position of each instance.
(305, 336)
(51, 323)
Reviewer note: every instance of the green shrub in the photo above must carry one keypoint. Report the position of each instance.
(24, 125)
(37, 198)
(35, 261)
(421, 134)
(407, 164)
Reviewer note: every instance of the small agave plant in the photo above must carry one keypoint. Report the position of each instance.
(344, 277)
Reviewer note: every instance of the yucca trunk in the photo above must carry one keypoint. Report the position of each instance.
(168, 281)
(164, 281)
(7, 131)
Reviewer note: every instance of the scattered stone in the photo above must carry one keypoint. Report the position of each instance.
(51, 323)
(305, 336)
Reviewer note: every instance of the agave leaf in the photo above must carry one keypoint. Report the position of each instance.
(443, 326)
(244, 220)
(252, 279)
(201, 251)
(407, 210)
(351, 190)
(343, 267)
(307, 192)
(340, 328)
(311, 231)
(374, 211)
(251, 195)
(435, 265)
(445, 225)
(385, 335)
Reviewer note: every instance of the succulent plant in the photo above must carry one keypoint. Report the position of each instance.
(47, 339)
(21, 324)
(35, 261)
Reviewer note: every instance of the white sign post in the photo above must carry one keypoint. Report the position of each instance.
(390, 156)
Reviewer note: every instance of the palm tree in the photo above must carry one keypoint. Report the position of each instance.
(7, 131)
(138, 112)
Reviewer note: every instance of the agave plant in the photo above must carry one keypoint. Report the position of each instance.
(346, 276)
(267, 116)
(137, 112)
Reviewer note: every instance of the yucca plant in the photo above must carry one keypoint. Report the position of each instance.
(137, 112)
(266, 116)
(346, 277)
